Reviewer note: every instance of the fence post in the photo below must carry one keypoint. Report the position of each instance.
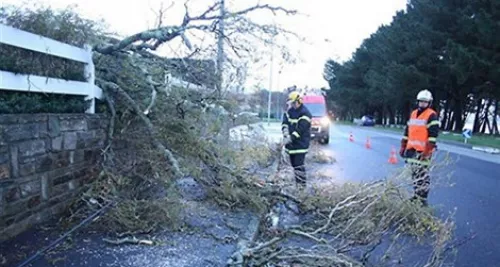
(90, 74)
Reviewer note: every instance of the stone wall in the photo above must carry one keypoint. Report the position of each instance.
(44, 161)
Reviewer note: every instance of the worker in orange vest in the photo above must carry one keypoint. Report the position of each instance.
(419, 142)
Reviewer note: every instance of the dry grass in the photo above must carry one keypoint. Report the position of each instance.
(347, 217)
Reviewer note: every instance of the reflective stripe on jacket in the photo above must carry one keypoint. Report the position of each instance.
(298, 123)
(418, 132)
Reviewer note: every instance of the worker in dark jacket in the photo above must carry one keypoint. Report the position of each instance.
(296, 129)
(419, 142)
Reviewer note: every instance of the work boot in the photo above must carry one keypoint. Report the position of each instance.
(301, 186)
(422, 200)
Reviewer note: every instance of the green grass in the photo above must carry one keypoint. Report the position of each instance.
(343, 122)
(477, 140)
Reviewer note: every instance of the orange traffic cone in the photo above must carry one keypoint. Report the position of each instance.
(393, 159)
(351, 137)
(368, 144)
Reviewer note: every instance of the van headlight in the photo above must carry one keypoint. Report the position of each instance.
(325, 121)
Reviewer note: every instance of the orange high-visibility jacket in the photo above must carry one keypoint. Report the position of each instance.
(418, 129)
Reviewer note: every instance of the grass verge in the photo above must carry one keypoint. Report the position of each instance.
(477, 140)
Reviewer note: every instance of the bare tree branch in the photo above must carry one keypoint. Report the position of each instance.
(164, 34)
(273, 9)
(166, 152)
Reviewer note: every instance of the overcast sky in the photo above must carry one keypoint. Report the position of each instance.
(333, 28)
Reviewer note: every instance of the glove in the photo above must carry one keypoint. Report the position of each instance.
(429, 149)
(402, 150)
(285, 132)
(287, 140)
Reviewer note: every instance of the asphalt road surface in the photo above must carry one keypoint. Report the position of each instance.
(474, 195)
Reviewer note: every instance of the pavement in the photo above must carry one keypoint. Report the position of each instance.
(208, 236)
(468, 185)
(473, 199)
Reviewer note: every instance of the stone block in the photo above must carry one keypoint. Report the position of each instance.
(56, 143)
(90, 155)
(41, 216)
(58, 172)
(4, 171)
(78, 156)
(27, 168)
(19, 132)
(86, 139)
(44, 163)
(22, 118)
(4, 154)
(14, 162)
(3, 138)
(5, 222)
(54, 126)
(34, 202)
(45, 187)
(70, 140)
(81, 173)
(30, 188)
(60, 207)
(63, 179)
(32, 148)
(74, 184)
(23, 215)
(56, 191)
(16, 207)
(61, 159)
(12, 194)
(77, 124)
(94, 122)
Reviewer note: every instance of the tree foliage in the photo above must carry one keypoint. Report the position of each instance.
(449, 47)
(62, 25)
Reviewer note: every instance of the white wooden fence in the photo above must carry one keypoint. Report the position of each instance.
(33, 83)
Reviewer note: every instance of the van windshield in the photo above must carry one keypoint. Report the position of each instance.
(316, 109)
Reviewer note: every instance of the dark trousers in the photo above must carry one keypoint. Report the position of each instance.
(419, 174)
(297, 161)
(421, 180)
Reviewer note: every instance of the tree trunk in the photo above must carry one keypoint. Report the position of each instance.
(382, 115)
(486, 120)
(449, 121)
(406, 112)
(392, 119)
(444, 123)
(495, 123)
(477, 121)
(457, 113)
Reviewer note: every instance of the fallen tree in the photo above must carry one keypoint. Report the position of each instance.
(159, 133)
(350, 224)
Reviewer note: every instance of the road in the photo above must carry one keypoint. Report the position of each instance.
(475, 194)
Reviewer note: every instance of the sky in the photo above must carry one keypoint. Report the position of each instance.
(332, 28)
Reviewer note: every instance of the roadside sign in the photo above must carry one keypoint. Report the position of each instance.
(467, 133)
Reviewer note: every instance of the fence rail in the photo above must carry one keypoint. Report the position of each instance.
(32, 83)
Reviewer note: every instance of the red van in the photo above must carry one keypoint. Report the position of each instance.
(320, 125)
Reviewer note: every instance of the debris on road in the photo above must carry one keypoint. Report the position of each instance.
(129, 240)
(487, 149)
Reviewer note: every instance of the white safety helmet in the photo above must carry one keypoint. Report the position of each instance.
(424, 95)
